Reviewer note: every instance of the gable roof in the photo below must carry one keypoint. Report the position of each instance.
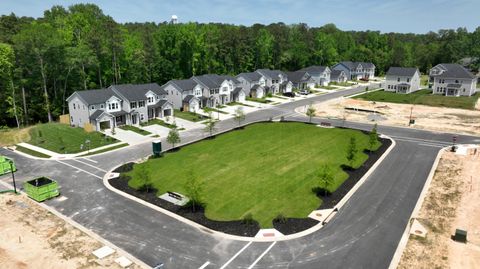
(96, 114)
(136, 92)
(298, 76)
(92, 97)
(251, 76)
(270, 73)
(402, 71)
(454, 71)
(314, 70)
(183, 84)
(353, 65)
(213, 80)
(336, 74)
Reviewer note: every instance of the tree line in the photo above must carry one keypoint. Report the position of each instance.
(44, 60)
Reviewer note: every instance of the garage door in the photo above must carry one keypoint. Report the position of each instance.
(105, 125)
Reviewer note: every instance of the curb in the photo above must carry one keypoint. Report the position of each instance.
(88, 232)
(406, 234)
(244, 238)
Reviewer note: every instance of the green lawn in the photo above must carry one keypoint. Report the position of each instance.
(189, 116)
(422, 97)
(344, 84)
(238, 103)
(258, 100)
(135, 129)
(266, 169)
(31, 152)
(62, 138)
(328, 87)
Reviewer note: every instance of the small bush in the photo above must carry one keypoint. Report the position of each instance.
(319, 191)
(248, 219)
(147, 187)
(280, 218)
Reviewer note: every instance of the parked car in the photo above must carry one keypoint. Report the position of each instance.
(304, 92)
(289, 94)
(364, 79)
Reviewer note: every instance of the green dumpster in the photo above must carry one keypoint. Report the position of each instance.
(5, 166)
(41, 189)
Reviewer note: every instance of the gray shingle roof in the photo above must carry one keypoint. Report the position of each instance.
(136, 92)
(335, 74)
(184, 84)
(402, 71)
(353, 65)
(188, 98)
(213, 81)
(298, 76)
(251, 76)
(314, 70)
(237, 90)
(455, 71)
(96, 114)
(272, 74)
(96, 96)
(160, 103)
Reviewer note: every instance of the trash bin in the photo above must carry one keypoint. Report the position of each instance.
(460, 236)
(41, 188)
(6, 165)
(157, 148)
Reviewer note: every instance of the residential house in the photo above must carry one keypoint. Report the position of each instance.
(301, 79)
(252, 83)
(274, 81)
(356, 70)
(402, 80)
(184, 94)
(321, 74)
(452, 80)
(220, 89)
(338, 76)
(126, 104)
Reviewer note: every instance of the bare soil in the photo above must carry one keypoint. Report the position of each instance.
(426, 117)
(32, 237)
(452, 201)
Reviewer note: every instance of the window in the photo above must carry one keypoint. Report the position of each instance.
(74, 106)
(398, 79)
(133, 105)
(456, 81)
(141, 103)
(92, 107)
(217, 91)
(101, 106)
(150, 99)
(389, 87)
(142, 117)
(408, 80)
(212, 91)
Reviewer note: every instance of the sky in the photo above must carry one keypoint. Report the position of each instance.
(405, 16)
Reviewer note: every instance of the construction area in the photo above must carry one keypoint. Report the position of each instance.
(32, 237)
(451, 203)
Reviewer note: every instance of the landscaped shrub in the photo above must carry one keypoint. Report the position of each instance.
(319, 191)
(248, 219)
(269, 94)
(147, 187)
(280, 219)
(124, 168)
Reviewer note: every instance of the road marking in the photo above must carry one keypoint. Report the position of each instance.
(420, 140)
(204, 265)
(90, 165)
(236, 255)
(67, 164)
(261, 256)
(90, 160)
(431, 145)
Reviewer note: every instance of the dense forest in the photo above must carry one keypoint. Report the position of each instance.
(44, 60)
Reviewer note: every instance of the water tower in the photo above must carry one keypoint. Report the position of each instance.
(174, 19)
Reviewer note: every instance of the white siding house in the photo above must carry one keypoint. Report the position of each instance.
(452, 80)
(402, 80)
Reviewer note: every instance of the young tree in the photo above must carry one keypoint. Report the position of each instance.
(352, 151)
(194, 189)
(373, 137)
(143, 173)
(326, 178)
(173, 137)
(239, 115)
(210, 124)
(7, 62)
(311, 112)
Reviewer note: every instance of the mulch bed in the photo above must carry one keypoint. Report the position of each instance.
(286, 226)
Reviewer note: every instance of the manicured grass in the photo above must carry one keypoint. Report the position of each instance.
(244, 172)
(239, 104)
(209, 109)
(280, 97)
(422, 97)
(158, 122)
(135, 129)
(258, 100)
(32, 152)
(62, 138)
(189, 116)
(328, 88)
(106, 150)
(343, 84)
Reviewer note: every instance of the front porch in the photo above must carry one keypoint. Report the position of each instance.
(403, 88)
(453, 90)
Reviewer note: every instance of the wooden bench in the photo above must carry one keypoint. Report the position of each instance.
(174, 195)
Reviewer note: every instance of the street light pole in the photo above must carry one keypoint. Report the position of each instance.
(13, 177)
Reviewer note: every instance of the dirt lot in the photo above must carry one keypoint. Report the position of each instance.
(32, 237)
(453, 201)
(427, 117)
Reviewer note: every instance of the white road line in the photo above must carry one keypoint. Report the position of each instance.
(90, 165)
(236, 255)
(431, 145)
(419, 140)
(261, 256)
(79, 169)
(90, 160)
(204, 265)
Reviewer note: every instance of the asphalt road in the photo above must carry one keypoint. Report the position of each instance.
(364, 233)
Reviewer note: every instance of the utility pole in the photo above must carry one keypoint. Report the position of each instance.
(13, 177)
(410, 119)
